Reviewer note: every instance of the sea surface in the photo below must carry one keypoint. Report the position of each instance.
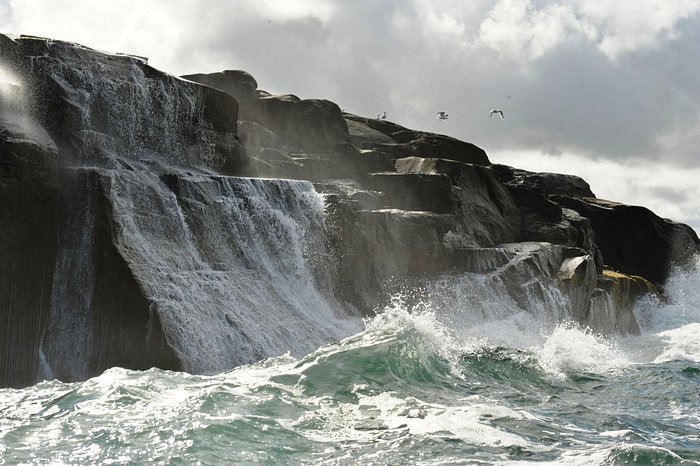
(418, 386)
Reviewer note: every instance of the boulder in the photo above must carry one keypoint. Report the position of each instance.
(633, 239)
(543, 183)
(369, 133)
(310, 125)
(237, 83)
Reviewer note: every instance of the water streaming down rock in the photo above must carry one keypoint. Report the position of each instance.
(126, 242)
(99, 316)
(204, 273)
(230, 265)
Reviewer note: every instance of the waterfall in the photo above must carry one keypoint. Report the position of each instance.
(69, 336)
(232, 266)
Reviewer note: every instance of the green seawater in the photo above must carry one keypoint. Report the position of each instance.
(391, 395)
(414, 388)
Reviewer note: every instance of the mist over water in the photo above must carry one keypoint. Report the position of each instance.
(438, 377)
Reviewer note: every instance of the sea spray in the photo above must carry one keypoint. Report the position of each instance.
(408, 389)
(418, 385)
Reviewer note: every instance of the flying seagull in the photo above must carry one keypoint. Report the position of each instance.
(497, 112)
(441, 115)
(381, 116)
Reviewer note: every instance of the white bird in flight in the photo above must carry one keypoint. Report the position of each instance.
(441, 115)
(498, 112)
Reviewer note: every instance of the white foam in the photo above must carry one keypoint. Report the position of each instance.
(472, 311)
(670, 328)
(471, 422)
(681, 343)
(435, 336)
(572, 349)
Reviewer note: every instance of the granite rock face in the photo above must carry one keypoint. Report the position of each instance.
(132, 233)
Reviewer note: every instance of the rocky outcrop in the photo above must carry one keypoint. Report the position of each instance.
(485, 209)
(100, 316)
(237, 83)
(543, 219)
(633, 239)
(308, 125)
(543, 183)
(131, 234)
(613, 302)
(403, 142)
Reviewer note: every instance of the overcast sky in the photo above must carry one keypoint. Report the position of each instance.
(605, 89)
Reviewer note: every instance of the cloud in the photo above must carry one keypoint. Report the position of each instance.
(598, 78)
(523, 31)
(631, 26)
(528, 29)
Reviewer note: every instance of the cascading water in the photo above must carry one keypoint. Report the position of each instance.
(227, 264)
(69, 338)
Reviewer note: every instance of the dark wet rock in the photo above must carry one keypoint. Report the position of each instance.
(101, 316)
(578, 278)
(633, 239)
(256, 138)
(481, 260)
(239, 84)
(352, 193)
(387, 246)
(413, 191)
(363, 135)
(613, 302)
(602, 303)
(370, 133)
(543, 219)
(309, 125)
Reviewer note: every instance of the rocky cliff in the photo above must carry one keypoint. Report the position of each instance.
(199, 223)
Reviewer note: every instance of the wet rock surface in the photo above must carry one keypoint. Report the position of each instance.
(132, 234)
